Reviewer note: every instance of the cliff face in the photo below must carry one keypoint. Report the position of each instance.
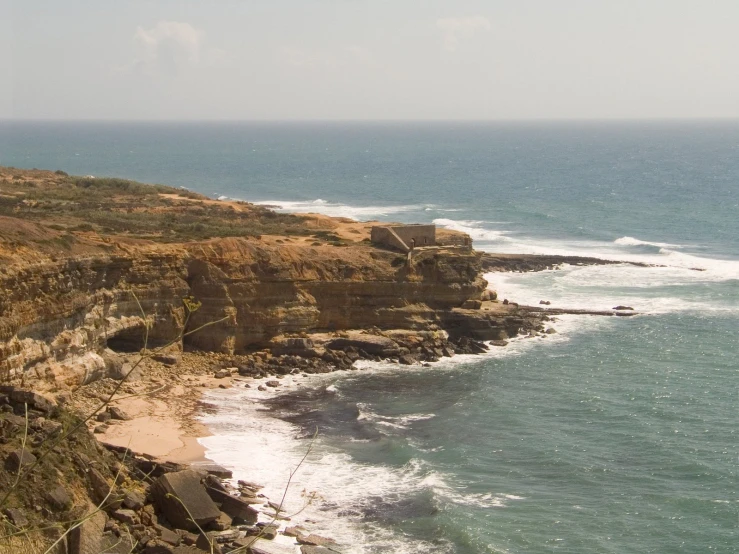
(88, 267)
(58, 318)
(273, 290)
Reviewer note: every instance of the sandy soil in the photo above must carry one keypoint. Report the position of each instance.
(162, 409)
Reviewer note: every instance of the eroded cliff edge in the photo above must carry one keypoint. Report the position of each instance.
(87, 265)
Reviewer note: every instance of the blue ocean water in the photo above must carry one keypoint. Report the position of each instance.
(614, 435)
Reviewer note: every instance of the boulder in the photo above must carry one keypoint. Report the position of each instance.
(315, 540)
(34, 400)
(134, 500)
(208, 543)
(237, 508)
(116, 413)
(59, 498)
(18, 458)
(166, 359)
(87, 538)
(222, 374)
(293, 531)
(183, 500)
(125, 516)
(114, 544)
(372, 344)
(214, 471)
(16, 517)
(407, 359)
(223, 522)
(167, 535)
(269, 532)
(100, 487)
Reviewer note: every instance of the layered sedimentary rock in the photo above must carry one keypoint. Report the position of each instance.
(60, 320)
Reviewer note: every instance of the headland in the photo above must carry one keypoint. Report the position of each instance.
(120, 302)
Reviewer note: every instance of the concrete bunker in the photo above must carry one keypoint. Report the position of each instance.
(403, 237)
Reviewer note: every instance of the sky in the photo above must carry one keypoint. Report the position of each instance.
(368, 59)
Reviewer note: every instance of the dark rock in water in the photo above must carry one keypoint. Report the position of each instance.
(315, 540)
(550, 331)
(212, 479)
(261, 546)
(183, 500)
(250, 485)
(273, 383)
(545, 302)
(407, 359)
(293, 531)
(623, 308)
(308, 549)
(499, 342)
(18, 458)
(269, 532)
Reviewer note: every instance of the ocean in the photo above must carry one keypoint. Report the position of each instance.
(614, 435)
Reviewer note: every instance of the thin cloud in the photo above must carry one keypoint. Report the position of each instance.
(169, 46)
(454, 29)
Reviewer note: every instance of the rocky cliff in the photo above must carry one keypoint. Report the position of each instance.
(76, 286)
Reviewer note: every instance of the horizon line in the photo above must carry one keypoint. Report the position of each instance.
(365, 121)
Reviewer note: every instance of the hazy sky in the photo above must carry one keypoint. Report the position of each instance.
(368, 59)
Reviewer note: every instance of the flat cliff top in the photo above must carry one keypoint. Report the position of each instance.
(47, 215)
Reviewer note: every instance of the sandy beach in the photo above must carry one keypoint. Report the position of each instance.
(160, 409)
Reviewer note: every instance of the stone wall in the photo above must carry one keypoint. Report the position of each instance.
(404, 237)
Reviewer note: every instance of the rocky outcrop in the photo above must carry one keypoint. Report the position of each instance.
(75, 320)
(541, 262)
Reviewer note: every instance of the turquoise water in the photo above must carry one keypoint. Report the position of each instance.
(614, 435)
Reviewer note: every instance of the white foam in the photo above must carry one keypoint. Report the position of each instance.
(336, 209)
(631, 241)
(474, 229)
(649, 290)
(502, 241)
(261, 448)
